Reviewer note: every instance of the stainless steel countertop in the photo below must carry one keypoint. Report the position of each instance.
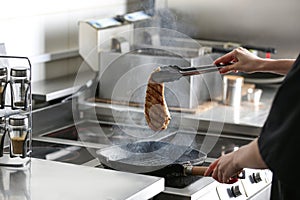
(47, 90)
(246, 119)
(246, 114)
(50, 180)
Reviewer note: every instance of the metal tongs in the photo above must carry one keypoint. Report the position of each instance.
(171, 73)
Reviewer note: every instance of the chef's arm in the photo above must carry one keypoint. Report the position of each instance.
(230, 164)
(248, 156)
(278, 66)
(243, 60)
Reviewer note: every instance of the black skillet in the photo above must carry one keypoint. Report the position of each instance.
(179, 165)
(173, 162)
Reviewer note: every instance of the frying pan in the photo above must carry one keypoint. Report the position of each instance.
(173, 162)
(149, 156)
(179, 165)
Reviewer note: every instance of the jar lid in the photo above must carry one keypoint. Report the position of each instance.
(3, 71)
(18, 120)
(19, 72)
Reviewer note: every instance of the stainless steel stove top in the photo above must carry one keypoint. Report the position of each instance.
(86, 135)
(64, 137)
(65, 145)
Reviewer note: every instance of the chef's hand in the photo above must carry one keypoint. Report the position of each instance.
(224, 168)
(242, 60)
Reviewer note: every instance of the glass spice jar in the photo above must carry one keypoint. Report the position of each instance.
(19, 87)
(18, 130)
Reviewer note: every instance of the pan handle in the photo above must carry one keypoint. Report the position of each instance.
(199, 171)
(194, 170)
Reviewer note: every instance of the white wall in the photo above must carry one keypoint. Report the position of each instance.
(33, 27)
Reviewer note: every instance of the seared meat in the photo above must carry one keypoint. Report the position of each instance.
(156, 110)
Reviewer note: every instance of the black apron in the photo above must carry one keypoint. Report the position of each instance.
(279, 141)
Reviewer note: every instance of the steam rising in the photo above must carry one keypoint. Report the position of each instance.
(123, 78)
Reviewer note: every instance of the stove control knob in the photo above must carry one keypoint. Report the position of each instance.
(256, 177)
(236, 191)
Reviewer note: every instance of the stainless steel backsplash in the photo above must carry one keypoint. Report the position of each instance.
(256, 22)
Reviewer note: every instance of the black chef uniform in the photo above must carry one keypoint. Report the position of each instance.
(279, 141)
